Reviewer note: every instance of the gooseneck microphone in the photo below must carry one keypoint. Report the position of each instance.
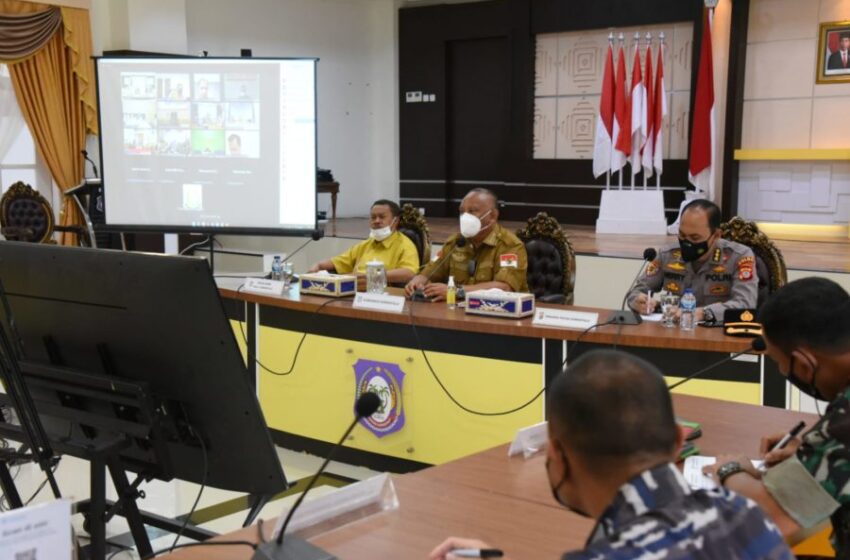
(293, 548)
(419, 293)
(623, 317)
(757, 345)
(88, 159)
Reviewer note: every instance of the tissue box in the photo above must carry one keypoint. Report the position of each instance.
(331, 285)
(500, 304)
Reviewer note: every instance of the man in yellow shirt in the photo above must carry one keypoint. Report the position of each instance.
(385, 244)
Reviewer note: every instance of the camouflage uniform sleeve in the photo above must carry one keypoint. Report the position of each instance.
(438, 270)
(745, 287)
(515, 277)
(813, 484)
(651, 280)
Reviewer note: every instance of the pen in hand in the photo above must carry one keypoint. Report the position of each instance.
(477, 553)
(786, 438)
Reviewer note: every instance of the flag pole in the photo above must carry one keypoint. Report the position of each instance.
(608, 173)
(647, 85)
(658, 174)
(622, 40)
(631, 163)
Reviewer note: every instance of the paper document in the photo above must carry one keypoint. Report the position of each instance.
(695, 477)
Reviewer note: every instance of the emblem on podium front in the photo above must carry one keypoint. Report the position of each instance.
(385, 380)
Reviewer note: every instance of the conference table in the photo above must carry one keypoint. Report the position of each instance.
(504, 500)
(457, 383)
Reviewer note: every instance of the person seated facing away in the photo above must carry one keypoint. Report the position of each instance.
(807, 331)
(385, 244)
(613, 441)
(489, 257)
(721, 273)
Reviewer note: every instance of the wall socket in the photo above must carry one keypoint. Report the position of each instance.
(413, 97)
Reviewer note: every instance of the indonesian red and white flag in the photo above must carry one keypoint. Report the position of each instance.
(622, 117)
(605, 122)
(700, 172)
(660, 111)
(649, 144)
(638, 107)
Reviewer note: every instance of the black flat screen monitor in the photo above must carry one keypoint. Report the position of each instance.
(159, 321)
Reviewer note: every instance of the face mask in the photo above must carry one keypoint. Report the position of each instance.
(806, 388)
(381, 233)
(470, 224)
(692, 251)
(557, 487)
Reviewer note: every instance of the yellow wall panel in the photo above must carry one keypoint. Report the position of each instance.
(317, 399)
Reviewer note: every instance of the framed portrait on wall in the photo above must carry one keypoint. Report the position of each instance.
(833, 64)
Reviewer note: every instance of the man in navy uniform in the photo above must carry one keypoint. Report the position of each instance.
(619, 469)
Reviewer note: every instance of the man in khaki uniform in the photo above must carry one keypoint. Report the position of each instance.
(492, 256)
(721, 274)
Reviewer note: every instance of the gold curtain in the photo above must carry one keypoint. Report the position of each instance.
(55, 90)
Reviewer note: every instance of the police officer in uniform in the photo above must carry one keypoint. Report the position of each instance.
(490, 257)
(721, 274)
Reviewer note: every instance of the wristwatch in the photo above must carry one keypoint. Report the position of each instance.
(728, 469)
(708, 316)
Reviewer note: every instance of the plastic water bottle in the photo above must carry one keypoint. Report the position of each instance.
(277, 268)
(688, 305)
(451, 293)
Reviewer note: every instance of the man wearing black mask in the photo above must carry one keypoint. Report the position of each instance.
(807, 332)
(720, 273)
(619, 469)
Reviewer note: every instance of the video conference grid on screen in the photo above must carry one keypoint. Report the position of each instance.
(208, 142)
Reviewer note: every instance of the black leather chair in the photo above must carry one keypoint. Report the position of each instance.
(25, 215)
(770, 265)
(412, 224)
(551, 260)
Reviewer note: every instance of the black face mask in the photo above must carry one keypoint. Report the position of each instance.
(557, 487)
(809, 389)
(692, 251)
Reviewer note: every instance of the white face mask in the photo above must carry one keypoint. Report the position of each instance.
(381, 233)
(470, 224)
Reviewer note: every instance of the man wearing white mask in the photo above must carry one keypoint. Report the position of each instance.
(385, 244)
(489, 257)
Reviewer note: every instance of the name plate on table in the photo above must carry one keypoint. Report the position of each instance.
(530, 440)
(564, 318)
(264, 287)
(379, 302)
(37, 532)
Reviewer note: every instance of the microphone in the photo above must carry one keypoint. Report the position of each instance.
(623, 317)
(757, 345)
(294, 548)
(419, 293)
(88, 159)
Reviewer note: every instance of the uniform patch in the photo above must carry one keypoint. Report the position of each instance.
(652, 268)
(676, 254)
(719, 290)
(677, 266)
(718, 254)
(719, 269)
(509, 260)
(745, 268)
(673, 287)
